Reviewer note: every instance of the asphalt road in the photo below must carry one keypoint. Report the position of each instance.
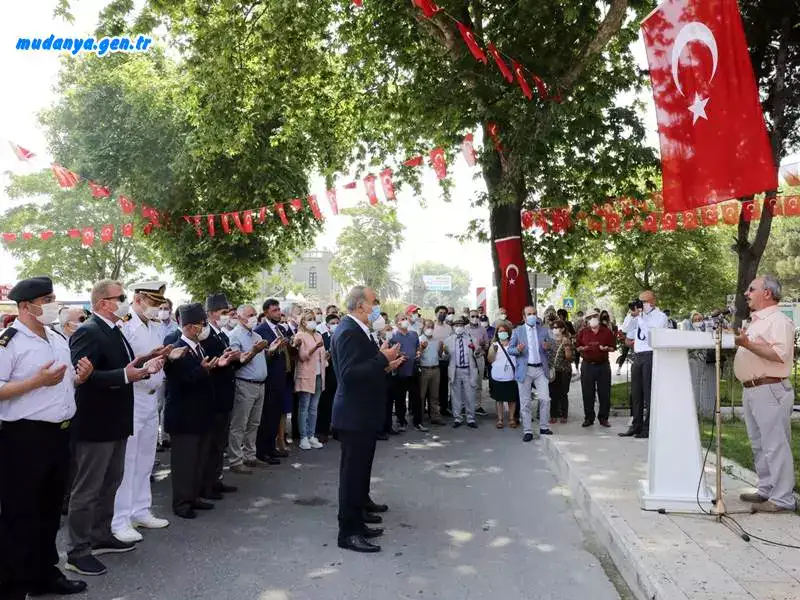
(473, 514)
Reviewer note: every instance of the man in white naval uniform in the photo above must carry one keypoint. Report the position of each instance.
(132, 504)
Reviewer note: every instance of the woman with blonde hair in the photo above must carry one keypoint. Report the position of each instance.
(309, 378)
(504, 387)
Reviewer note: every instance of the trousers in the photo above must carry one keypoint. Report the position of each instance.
(444, 386)
(596, 379)
(217, 440)
(767, 415)
(99, 468)
(307, 410)
(463, 392)
(33, 472)
(641, 382)
(355, 470)
(429, 390)
(133, 497)
(559, 394)
(188, 461)
(402, 387)
(535, 377)
(270, 416)
(248, 404)
(481, 360)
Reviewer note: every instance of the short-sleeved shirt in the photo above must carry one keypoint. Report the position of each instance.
(430, 355)
(409, 342)
(778, 331)
(640, 330)
(243, 339)
(21, 359)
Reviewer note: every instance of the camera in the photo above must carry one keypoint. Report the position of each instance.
(636, 305)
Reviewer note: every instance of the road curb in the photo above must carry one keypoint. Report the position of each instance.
(646, 579)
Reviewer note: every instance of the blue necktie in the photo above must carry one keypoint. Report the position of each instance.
(461, 361)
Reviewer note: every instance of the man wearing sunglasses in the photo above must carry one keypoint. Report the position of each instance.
(101, 427)
(69, 319)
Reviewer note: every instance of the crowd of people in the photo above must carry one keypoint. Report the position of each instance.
(88, 397)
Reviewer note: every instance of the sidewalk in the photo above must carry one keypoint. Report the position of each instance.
(670, 556)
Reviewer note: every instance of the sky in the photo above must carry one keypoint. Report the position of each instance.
(428, 219)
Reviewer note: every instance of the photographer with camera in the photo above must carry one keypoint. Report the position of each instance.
(629, 323)
(649, 318)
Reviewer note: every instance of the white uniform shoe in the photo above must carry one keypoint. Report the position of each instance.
(315, 443)
(305, 444)
(148, 521)
(128, 535)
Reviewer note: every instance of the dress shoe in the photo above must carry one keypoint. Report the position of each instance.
(472, 425)
(383, 437)
(457, 424)
(128, 535)
(270, 460)
(211, 495)
(587, 423)
(752, 498)
(376, 508)
(185, 513)
(546, 431)
(372, 519)
(605, 423)
(60, 586)
(642, 435)
(768, 506)
(481, 411)
(630, 433)
(281, 454)
(225, 488)
(241, 470)
(149, 521)
(357, 543)
(527, 437)
(371, 532)
(202, 505)
(256, 464)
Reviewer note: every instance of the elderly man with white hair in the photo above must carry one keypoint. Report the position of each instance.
(69, 319)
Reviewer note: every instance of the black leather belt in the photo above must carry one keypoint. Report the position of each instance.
(436, 367)
(251, 380)
(31, 424)
(535, 365)
(467, 367)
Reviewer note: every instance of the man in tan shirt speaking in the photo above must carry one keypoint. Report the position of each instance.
(764, 355)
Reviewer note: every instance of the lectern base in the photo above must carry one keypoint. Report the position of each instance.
(672, 503)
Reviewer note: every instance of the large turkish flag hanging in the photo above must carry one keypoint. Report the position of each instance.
(714, 143)
(514, 287)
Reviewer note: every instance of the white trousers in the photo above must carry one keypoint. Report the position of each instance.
(537, 378)
(133, 497)
(462, 394)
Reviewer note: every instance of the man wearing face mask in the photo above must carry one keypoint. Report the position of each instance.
(326, 399)
(69, 319)
(462, 373)
(441, 331)
(650, 318)
(133, 499)
(405, 383)
(478, 334)
(414, 319)
(189, 414)
(37, 403)
(594, 344)
(529, 344)
(103, 422)
(248, 401)
(168, 324)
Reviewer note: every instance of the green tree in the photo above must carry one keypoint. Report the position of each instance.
(427, 299)
(65, 258)
(782, 256)
(365, 246)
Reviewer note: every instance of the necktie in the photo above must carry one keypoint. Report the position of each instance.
(199, 351)
(461, 360)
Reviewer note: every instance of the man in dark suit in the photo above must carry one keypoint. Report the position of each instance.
(278, 364)
(358, 413)
(189, 414)
(216, 345)
(103, 422)
(326, 399)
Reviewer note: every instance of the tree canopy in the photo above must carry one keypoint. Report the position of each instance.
(428, 299)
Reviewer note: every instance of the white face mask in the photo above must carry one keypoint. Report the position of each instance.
(152, 313)
(123, 308)
(224, 320)
(403, 324)
(333, 327)
(379, 324)
(414, 318)
(647, 307)
(502, 317)
(311, 325)
(320, 319)
(485, 324)
(557, 334)
(163, 315)
(594, 322)
(49, 313)
(697, 325)
(204, 333)
(449, 318)
(252, 322)
(473, 320)
(459, 330)
(429, 332)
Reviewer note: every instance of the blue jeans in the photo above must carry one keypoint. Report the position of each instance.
(307, 410)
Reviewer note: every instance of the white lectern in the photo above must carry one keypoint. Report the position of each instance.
(675, 460)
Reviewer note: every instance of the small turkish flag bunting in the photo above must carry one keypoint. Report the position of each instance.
(237, 221)
(527, 219)
(369, 185)
(438, 162)
(127, 230)
(387, 184)
(212, 229)
(46, 235)
(22, 153)
(523, 83)
(650, 224)
(468, 150)
(126, 205)
(247, 221)
(27, 235)
(613, 222)
(226, 226)
(99, 191)
(791, 206)
(413, 162)
(312, 202)
(730, 213)
(332, 201)
(351, 185)
(710, 215)
(107, 233)
(471, 42)
(428, 8)
(148, 229)
(74, 234)
(9, 237)
(296, 204)
(689, 219)
(541, 88)
(500, 62)
(262, 214)
(751, 211)
(195, 220)
(87, 236)
(668, 222)
(66, 178)
(358, 3)
(281, 213)
(774, 206)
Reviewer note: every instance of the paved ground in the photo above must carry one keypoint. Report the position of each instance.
(474, 514)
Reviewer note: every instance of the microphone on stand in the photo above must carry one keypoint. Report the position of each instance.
(721, 312)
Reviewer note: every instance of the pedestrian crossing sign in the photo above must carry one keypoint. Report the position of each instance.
(569, 303)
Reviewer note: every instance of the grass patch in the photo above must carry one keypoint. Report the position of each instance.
(736, 444)
(620, 393)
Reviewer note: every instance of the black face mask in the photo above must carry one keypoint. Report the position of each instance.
(441, 317)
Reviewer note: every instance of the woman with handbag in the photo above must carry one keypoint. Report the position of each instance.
(560, 373)
(504, 389)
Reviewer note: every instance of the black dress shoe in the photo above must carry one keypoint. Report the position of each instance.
(212, 495)
(185, 513)
(642, 435)
(371, 532)
(224, 488)
(281, 454)
(472, 424)
(457, 424)
(270, 460)
(357, 543)
(383, 437)
(376, 508)
(630, 433)
(587, 423)
(61, 586)
(202, 505)
(372, 519)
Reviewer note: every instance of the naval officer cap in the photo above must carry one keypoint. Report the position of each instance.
(192, 314)
(152, 289)
(217, 302)
(30, 289)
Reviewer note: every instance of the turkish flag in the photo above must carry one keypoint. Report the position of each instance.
(774, 206)
(27, 235)
(650, 223)
(500, 62)
(668, 222)
(312, 202)
(99, 191)
(730, 213)
(527, 219)
(46, 235)
(66, 178)
(471, 42)
(438, 162)
(791, 206)
(514, 288)
(9, 237)
(247, 219)
(369, 186)
(127, 230)
(126, 205)
(226, 226)
(212, 230)
(710, 216)
(281, 213)
(387, 184)
(107, 233)
(332, 201)
(613, 222)
(87, 236)
(690, 219)
(714, 143)
(468, 150)
(523, 83)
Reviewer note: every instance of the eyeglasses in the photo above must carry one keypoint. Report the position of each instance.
(752, 289)
(120, 298)
(81, 319)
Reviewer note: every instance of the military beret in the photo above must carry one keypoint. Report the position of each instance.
(217, 302)
(30, 289)
(192, 314)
